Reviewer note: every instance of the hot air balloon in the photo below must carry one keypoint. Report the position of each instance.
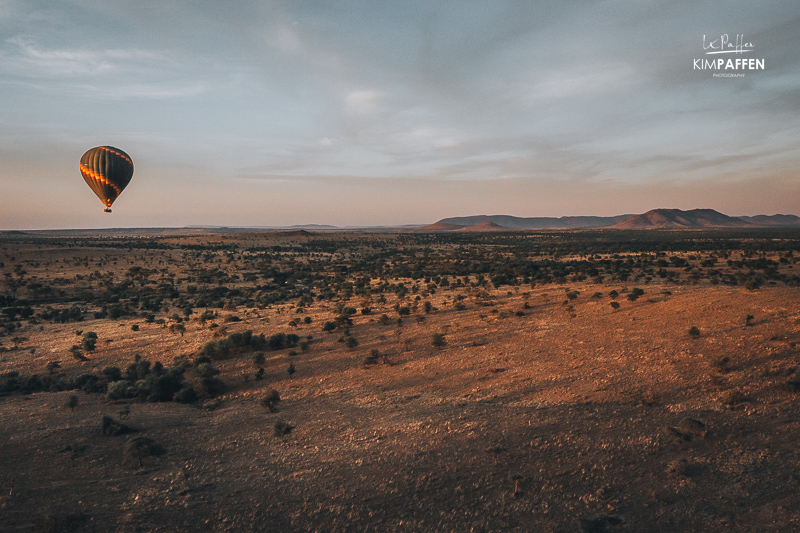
(107, 170)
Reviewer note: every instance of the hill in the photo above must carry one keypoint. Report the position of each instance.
(773, 220)
(438, 227)
(675, 218)
(484, 226)
(512, 222)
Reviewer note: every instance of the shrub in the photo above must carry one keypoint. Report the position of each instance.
(291, 340)
(721, 364)
(372, 358)
(157, 384)
(259, 359)
(329, 326)
(794, 382)
(87, 383)
(270, 400)
(140, 447)
(114, 428)
(72, 402)
(438, 340)
(89, 341)
(614, 305)
(216, 349)
(276, 341)
(694, 332)
(185, 395)
(635, 293)
(732, 397)
(282, 428)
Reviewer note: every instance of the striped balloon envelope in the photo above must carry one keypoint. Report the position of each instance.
(107, 170)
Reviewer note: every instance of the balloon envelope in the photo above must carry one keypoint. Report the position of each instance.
(107, 170)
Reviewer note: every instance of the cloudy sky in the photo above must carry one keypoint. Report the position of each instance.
(260, 112)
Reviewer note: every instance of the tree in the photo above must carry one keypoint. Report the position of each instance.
(270, 400)
(72, 402)
(438, 340)
(89, 341)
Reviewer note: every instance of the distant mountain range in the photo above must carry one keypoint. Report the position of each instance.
(654, 219)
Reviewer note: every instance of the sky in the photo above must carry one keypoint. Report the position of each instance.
(367, 113)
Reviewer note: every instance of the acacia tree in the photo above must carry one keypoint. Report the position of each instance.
(89, 341)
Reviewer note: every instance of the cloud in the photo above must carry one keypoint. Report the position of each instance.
(115, 74)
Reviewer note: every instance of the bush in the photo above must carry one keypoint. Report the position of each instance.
(270, 400)
(329, 326)
(89, 341)
(794, 382)
(120, 390)
(114, 428)
(157, 384)
(694, 332)
(186, 395)
(235, 342)
(438, 340)
(72, 402)
(141, 447)
(732, 397)
(635, 293)
(282, 428)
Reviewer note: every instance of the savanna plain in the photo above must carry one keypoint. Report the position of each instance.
(565, 381)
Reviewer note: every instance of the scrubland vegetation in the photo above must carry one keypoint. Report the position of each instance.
(561, 381)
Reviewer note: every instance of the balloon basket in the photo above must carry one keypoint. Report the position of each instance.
(106, 210)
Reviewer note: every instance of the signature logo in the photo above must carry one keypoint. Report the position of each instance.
(724, 45)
